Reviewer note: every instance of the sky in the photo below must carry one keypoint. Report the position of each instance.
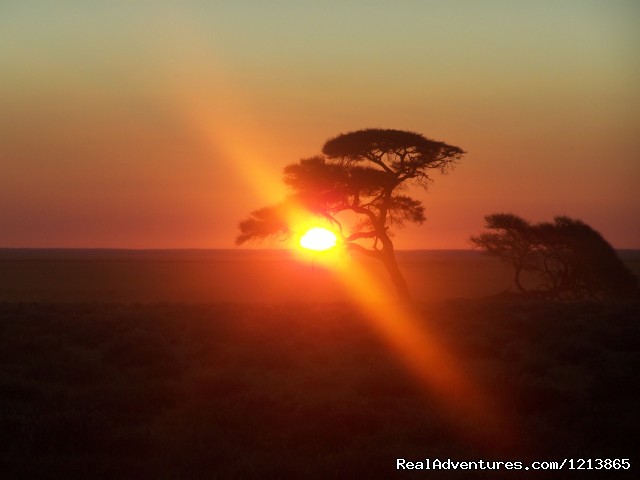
(156, 124)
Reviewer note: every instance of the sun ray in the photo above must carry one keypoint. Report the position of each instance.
(222, 119)
(426, 356)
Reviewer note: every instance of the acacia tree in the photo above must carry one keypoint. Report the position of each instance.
(570, 259)
(511, 241)
(577, 262)
(364, 173)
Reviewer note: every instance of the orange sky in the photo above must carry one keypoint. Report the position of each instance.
(163, 124)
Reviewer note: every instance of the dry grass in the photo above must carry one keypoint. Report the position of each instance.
(243, 391)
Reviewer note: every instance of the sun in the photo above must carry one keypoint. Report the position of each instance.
(318, 238)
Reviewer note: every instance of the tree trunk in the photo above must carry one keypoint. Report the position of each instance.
(388, 255)
(389, 260)
(516, 279)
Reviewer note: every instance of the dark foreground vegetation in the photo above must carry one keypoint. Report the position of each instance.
(248, 391)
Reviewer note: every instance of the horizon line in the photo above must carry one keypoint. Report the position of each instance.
(236, 249)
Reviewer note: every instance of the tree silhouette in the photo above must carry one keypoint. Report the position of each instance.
(361, 172)
(512, 242)
(570, 259)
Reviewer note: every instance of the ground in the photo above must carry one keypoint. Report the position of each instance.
(307, 390)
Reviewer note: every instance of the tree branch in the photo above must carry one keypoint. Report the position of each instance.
(368, 213)
(378, 161)
(358, 235)
(334, 220)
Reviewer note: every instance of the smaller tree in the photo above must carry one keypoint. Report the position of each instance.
(510, 242)
(577, 262)
(569, 258)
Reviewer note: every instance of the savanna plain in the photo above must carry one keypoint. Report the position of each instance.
(252, 364)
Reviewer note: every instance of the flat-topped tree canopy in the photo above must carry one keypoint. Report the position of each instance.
(404, 154)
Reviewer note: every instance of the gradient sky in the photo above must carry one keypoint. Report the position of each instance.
(156, 124)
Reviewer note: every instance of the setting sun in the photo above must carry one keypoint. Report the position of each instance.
(319, 239)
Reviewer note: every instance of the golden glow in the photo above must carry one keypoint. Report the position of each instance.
(424, 353)
(319, 239)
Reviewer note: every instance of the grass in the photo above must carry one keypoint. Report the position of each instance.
(303, 391)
